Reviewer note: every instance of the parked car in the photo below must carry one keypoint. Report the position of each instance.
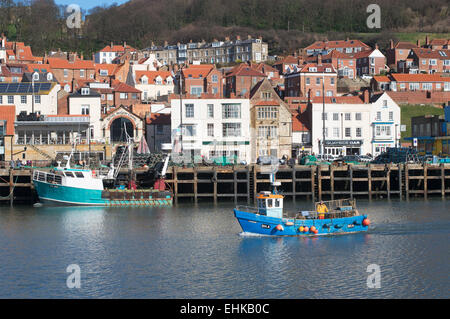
(365, 158)
(267, 160)
(325, 157)
(353, 159)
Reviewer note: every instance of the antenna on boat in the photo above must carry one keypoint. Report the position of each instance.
(274, 183)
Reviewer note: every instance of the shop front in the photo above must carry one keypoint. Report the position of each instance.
(343, 147)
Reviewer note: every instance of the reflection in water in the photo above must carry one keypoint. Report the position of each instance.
(201, 252)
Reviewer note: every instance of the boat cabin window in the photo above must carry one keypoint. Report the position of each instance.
(50, 178)
(277, 202)
(261, 203)
(68, 174)
(269, 203)
(79, 175)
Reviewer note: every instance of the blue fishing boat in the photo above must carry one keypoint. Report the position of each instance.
(270, 217)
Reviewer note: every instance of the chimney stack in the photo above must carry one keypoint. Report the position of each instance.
(227, 39)
(366, 96)
(319, 59)
(249, 37)
(418, 43)
(391, 44)
(427, 41)
(376, 46)
(112, 44)
(238, 38)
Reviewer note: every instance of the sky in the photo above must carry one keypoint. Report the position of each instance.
(89, 4)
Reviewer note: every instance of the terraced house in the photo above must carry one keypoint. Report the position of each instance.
(226, 51)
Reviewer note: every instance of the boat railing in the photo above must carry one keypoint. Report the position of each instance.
(334, 204)
(330, 215)
(249, 209)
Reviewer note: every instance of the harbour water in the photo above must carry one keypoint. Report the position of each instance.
(200, 252)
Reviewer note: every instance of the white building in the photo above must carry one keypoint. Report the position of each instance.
(356, 126)
(213, 127)
(87, 101)
(152, 84)
(42, 99)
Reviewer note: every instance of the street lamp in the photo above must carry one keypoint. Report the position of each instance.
(323, 115)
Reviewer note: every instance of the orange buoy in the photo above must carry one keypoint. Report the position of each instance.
(313, 229)
(306, 229)
(289, 224)
(300, 229)
(366, 222)
(279, 227)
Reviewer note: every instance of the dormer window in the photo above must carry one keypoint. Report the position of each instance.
(35, 76)
(49, 77)
(327, 70)
(144, 80)
(312, 69)
(84, 91)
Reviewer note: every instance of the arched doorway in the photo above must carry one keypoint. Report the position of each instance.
(118, 127)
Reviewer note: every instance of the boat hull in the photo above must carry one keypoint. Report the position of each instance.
(72, 196)
(264, 225)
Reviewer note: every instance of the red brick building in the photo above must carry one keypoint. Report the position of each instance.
(412, 82)
(345, 64)
(370, 62)
(202, 78)
(241, 79)
(66, 71)
(344, 46)
(398, 52)
(430, 61)
(309, 79)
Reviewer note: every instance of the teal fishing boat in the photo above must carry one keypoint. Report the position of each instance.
(68, 186)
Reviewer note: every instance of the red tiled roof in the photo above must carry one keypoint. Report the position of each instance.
(152, 75)
(336, 44)
(267, 103)
(56, 63)
(405, 45)
(244, 69)
(196, 70)
(429, 53)
(8, 113)
(122, 87)
(300, 122)
(320, 68)
(381, 78)
(338, 99)
(111, 68)
(159, 118)
(401, 77)
(116, 48)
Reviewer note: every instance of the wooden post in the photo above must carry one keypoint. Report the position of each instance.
(294, 178)
(319, 181)
(369, 181)
(400, 167)
(255, 184)
(195, 185)
(407, 181)
(248, 184)
(235, 184)
(388, 181)
(442, 180)
(11, 187)
(215, 185)
(332, 181)
(313, 183)
(425, 180)
(350, 168)
(175, 183)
